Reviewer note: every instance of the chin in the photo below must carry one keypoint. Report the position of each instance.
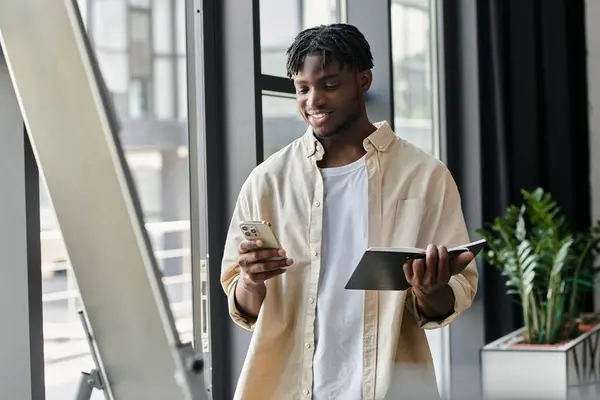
(320, 132)
(324, 131)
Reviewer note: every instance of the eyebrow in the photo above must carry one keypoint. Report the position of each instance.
(323, 78)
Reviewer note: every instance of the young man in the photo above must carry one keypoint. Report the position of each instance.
(345, 185)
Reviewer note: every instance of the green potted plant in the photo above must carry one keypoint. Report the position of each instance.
(549, 268)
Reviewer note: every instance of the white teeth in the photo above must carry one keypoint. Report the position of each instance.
(319, 115)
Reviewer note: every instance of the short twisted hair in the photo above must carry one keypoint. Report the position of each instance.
(341, 42)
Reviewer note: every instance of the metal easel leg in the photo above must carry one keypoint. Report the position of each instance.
(87, 383)
(93, 379)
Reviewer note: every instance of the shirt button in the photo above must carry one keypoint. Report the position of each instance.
(311, 300)
(314, 252)
(307, 345)
(317, 203)
(306, 392)
(381, 147)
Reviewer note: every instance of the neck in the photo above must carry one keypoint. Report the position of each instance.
(346, 146)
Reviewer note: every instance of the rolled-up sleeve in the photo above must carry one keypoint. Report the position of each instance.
(230, 269)
(236, 315)
(445, 225)
(464, 293)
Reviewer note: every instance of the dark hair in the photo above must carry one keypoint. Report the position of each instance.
(341, 42)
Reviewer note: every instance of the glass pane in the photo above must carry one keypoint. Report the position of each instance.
(140, 46)
(66, 351)
(412, 47)
(182, 92)
(282, 20)
(146, 167)
(114, 66)
(411, 54)
(139, 99)
(121, 103)
(282, 123)
(164, 90)
(113, 35)
(140, 3)
(162, 26)
(160, 168)
(180, 26)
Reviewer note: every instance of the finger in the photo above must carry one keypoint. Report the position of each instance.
(431, 265)
(418, 267)
(264, 276)
(249, 245)
(443, 271)
(268, 266)
(460, 261)
(408, 270)
(261, 255)
(258, 256)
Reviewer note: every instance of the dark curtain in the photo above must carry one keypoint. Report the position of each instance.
(534, 120)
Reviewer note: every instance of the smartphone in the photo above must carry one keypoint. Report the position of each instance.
(261, 230)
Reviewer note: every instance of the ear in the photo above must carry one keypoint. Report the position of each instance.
(365, 78)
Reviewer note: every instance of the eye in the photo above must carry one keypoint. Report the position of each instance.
(301, 90)
(331, 86)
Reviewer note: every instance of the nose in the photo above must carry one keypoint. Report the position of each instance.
(316, 99)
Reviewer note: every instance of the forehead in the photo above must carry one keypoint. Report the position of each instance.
(313, 67)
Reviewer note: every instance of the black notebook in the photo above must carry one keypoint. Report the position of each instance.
(380, 268)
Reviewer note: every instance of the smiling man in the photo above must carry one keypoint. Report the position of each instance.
(346, 184)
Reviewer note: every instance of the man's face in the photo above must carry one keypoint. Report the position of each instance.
(330, 99)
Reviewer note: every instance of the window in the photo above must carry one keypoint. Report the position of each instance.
(140, 43)
(180, 26)
(413, 58)
(113, 36)
(282, 122)
(412, 46)
(164, 90)
(139, 98)
(156, 152)
(162, 23)
(282, 20)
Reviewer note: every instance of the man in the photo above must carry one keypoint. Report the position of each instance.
(345, 185)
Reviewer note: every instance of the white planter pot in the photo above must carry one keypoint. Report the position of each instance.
(570, 371)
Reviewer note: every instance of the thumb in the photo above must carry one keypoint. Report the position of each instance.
(460, 261)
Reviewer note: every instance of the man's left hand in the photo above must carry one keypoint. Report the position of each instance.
(432, 273)
(429, 278)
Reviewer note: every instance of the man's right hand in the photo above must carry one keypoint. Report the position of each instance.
(255, 265)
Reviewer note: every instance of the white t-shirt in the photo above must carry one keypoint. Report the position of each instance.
(337, 366)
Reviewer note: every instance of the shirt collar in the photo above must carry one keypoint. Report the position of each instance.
(380, 139)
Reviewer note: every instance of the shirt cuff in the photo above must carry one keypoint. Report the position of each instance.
(237, 316)
(426, 323)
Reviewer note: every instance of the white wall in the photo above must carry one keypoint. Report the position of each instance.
(593, 43)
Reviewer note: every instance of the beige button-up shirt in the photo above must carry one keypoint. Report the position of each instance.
(412, 201)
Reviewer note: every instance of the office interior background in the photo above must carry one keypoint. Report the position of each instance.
(505, 92)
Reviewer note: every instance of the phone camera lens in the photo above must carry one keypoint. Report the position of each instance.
(247, 233)
(244, 228)
(253, 231)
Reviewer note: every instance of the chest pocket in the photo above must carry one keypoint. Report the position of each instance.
(406, 224)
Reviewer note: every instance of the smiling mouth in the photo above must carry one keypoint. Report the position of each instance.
(320, 117)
